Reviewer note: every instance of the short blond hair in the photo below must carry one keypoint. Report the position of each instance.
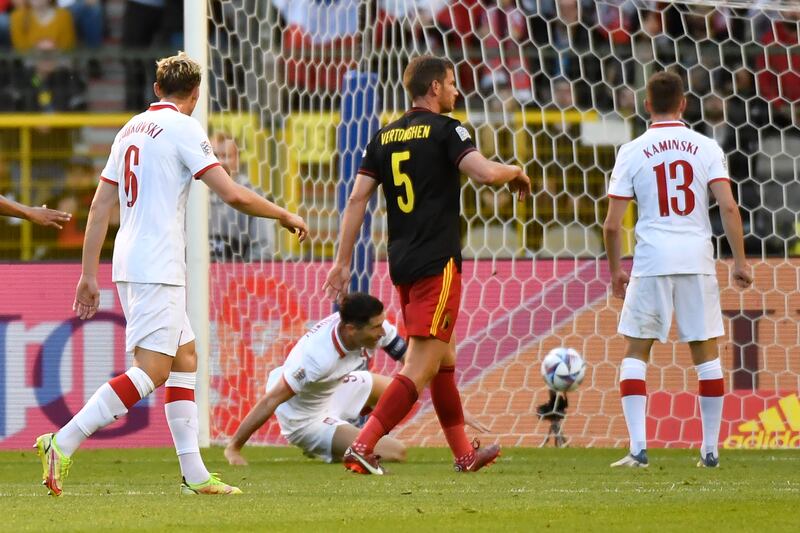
(177, 75)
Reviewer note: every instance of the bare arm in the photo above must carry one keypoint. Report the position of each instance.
(87, 293)
(37, 215)
(612, 235)
(256, 418)
(352, 218)
(732, 222)
(248, 202)
(486, 172)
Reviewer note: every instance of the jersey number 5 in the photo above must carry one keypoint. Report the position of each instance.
(405, 203)
(131, 183)
(664, 201)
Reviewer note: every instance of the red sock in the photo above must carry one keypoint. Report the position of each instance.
(395, 403)
(447, 403)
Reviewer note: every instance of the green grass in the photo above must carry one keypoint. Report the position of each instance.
(527, 490)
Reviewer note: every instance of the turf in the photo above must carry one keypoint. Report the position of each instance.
(527, 490)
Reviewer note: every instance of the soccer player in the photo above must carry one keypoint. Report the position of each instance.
(153, 160)
(38, 215)
(669, 170)
(418, 160)
(318, 411)
(320, 388)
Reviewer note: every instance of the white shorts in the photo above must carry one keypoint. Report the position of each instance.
(156, 316)
(315, 435)
(650, 300)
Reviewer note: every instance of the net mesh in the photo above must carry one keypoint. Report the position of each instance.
(555, 86)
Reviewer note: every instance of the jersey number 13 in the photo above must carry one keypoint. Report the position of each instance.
(665, 201)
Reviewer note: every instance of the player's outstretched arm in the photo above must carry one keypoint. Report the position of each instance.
(87, 293)
(732, 222)
(37, 215)
(612, 235)
(352, 218)
(243, 199)
(486, 172)
(256, 418)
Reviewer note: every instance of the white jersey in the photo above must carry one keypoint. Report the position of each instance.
(316, 366)
(667, 170)
(152, 161)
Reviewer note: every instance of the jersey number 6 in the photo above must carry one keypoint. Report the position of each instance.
(131, 183)
(664, 201)
(406, 204)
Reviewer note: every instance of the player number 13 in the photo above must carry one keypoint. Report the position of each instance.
(664, 200)
(404, 202)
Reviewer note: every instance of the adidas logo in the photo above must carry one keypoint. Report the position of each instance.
(776, 427)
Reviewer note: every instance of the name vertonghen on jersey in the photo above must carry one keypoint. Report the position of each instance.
(405, 134)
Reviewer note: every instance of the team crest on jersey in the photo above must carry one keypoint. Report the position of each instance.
(463, 134)
(205, 146)
(299, 374)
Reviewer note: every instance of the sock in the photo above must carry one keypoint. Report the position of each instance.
(111, 401)
(394, 404)
(633, 391)
(447, 404)
(712, 389)
(181, 411)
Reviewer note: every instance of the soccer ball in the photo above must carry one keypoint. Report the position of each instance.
(563, 369)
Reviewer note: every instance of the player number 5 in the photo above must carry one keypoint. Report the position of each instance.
(406, 204)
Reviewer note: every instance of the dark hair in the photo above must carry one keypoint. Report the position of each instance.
(358, 308)
(664, 92)
(422, 71)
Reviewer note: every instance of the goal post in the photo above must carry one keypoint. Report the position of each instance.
(197, 211)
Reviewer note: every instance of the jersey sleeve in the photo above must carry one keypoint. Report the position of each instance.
(110, 173)
(195, 151)
(458, 142)
(392, 342)
(369, 160)
(621, 183)
(301, 371)
(718, 168)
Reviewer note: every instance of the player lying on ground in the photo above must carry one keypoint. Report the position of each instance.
(38, 215)
(319, 392)
(669, 171)
(153, 160)
(418, 160)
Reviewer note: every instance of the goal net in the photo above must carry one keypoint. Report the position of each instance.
(297, 88)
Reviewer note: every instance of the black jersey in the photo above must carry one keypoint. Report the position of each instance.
(416, 161)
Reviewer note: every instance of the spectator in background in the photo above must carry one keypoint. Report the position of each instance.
(44, 84)
(319, 43)
(39, 23)
(136, 37)
(779, 67)
(503, 30)
(88, 18)
(5, 21)
(234, 235)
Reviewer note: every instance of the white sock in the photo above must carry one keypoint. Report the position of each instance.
(711, 385)
(634, 401)
(183, 424)
(103, 408)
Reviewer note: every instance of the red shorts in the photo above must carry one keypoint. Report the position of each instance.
(430, 305)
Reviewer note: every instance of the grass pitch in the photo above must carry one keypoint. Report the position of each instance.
(527, 490)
